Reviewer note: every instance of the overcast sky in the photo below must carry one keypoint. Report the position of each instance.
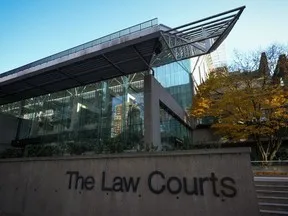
(33, 29)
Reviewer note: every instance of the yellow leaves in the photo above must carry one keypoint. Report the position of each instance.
(232, 131)
(202, 106)
(243, 104)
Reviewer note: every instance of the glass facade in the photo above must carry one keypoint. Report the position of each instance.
(103, 117)
(85, 117)
(176, 78)
(174, 134)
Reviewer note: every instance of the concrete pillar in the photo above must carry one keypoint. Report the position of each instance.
(152, 135)
(153, 94)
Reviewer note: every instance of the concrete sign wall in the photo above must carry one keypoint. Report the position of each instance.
(211, 182)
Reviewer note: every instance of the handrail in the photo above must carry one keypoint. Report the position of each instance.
(118, 34)
(271, 163)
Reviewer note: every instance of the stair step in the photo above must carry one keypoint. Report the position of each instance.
(273, 199)
(273, 206)
(271, 212)
(272, 193)
(272, 187)
(271, 181)
(283, 183)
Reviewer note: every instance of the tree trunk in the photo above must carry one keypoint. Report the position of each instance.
(268, 152)
(264, 156)
(274, 149)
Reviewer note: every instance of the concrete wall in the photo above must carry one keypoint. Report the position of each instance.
(8, 129)
(203, 182)
(154, 93)
(204, 135)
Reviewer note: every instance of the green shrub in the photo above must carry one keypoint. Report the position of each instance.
(12, 153)
(42, 150)
(78, 148)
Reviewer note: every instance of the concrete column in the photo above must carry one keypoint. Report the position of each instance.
(125, 108)
(74, 124)
(152, 136)
(153, 94)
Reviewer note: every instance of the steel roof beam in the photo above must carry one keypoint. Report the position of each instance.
(205, 24)
(142, 58)
(184, 40)
(39, 87)
(239, 9)
(206, 28)
(198, 40)
(70, 77)
(223, 35)
(200, 35)
(114, 65)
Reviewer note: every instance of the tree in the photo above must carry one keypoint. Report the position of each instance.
(250, 61)
(247, 105)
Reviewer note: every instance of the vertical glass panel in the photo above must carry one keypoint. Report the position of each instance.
(176, 78)
(174, 135)
(103, 117)
(12, 109)
(135, 28)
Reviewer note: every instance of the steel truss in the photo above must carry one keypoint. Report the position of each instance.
(196, 38)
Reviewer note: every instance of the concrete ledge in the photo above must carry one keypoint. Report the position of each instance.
(239, 150)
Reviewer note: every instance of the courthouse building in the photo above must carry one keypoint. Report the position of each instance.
(134, 85)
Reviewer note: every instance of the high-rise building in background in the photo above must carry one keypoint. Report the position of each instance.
(201, 66)
(219, 56)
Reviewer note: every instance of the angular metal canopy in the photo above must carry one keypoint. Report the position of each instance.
(196, 38)
(135, 49)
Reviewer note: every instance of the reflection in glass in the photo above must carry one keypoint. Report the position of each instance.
(104, 114)
(176, 78)
(174, 134)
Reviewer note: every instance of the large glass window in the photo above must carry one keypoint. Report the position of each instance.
(176, 79)
(106, 117)
(174, 134)
(102, 117)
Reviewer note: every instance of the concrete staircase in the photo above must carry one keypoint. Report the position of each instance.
(272, 193)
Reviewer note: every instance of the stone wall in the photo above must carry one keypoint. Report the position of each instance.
(204, 136)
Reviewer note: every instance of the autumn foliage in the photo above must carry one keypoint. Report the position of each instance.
(247, 105)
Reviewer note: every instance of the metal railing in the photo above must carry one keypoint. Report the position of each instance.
(118, 34)
(271, 163)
